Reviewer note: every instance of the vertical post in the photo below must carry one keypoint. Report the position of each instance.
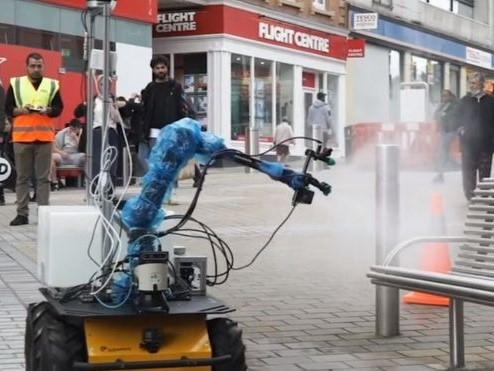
(247, 148)
(89, 110)
(107, 206)
(456, 336)
(317, 134)
(254, 125)
(387, 225)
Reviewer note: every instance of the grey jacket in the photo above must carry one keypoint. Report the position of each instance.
(319, 115)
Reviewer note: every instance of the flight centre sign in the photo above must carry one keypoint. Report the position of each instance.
(227, 21)
(176, 22)
(290, 36)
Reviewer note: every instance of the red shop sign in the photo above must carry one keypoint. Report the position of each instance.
(356, 48)
(221, 19)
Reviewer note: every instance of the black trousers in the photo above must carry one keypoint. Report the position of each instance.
(474, 162)
(96, 161)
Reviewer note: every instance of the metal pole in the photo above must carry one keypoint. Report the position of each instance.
(107, 206)
(456, 336)
(89, 110)
(387, 226)
(247, 148)
(316, 134)
(254, 141)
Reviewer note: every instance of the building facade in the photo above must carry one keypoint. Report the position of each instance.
(250, 64)
(54, 28)
(415, 49)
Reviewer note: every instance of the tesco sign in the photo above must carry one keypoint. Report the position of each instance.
(365, 21)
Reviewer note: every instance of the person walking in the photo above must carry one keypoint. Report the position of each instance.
(445, 119)
(32, 101)
(319, 115)
(282, 133)
(475, 118)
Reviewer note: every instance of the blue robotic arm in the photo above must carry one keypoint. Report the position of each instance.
(181, 141)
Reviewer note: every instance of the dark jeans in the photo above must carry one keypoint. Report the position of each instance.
(444, 156)
(96, 161)
(474, 161)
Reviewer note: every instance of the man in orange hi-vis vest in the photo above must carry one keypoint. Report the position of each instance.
(32, 101)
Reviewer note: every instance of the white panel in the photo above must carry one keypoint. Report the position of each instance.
(133, 69)
(368, 86)
(64, 234)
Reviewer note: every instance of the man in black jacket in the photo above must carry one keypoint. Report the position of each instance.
(161, 102)
(475, 117)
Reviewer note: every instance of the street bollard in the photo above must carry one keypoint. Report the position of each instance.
(253, 144)
(317, 134)
(387, 225)
(247, 148)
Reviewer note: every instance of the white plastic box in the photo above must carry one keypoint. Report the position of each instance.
(64, 234)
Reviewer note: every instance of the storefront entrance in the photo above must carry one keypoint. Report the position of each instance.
(309, 97)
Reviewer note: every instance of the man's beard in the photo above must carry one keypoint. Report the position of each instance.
(36, 77)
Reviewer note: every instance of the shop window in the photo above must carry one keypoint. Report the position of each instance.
(431, 72)
(36, 38)
(263, 98)
(191, 70)
(284, 92)
(7, 34)
(333, 100)
(71, 48)
(395, 79)
(454, 80)
(240, 95)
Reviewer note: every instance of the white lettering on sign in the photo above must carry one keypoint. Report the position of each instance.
(291, 37)
(176, 22)
(365, 21)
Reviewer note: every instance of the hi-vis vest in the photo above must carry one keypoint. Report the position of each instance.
(34, 126)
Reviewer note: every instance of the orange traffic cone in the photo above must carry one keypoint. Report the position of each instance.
(435, 257)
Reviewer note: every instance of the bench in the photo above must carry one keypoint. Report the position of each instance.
(71, 171)
(472, 276)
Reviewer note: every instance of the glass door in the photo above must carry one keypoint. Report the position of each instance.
(309, 97)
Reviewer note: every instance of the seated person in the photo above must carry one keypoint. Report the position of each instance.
(66, 149)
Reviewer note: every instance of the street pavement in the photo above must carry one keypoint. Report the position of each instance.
(305, 304)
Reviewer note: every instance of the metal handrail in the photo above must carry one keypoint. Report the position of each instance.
(391, 255)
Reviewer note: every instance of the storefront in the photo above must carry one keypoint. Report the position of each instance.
(399, 53)
(244, 69)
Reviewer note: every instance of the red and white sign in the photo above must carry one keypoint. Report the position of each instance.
(176, 22)
(140, 10)
(356, 48)
(222, 19)
(288, 35)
